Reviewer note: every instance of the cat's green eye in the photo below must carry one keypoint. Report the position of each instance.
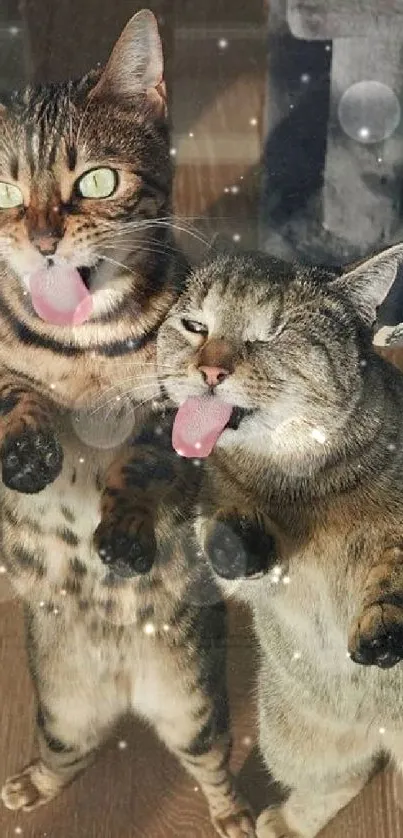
(98, 183)
(194, 327)
(10, 196)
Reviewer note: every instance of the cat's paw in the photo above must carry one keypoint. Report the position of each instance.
(128, 548)
(237, 825)
(31, 460)
(376, 638)
(271, 824)
(34, 787)
(237, 547)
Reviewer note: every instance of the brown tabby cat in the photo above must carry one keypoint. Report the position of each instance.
(89, 271)
(273, 369)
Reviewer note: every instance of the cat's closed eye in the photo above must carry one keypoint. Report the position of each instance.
(194, 326)
(264, 336)
(255, 344)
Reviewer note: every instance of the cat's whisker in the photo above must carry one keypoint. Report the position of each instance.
(141, 222)
(197, 236)
(145, 376)
(137, 383)
(151, 244)
(118, 264)
(109, 414)
(151, 247)
(141, 383)
(186, 230)
(134, 407)
(127, 395)
(123, 395)
(170, 223)
(125, 239)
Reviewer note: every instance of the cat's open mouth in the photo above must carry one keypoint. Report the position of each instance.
(199, 423)
(238, 413)
(87, 273)
(61, 294)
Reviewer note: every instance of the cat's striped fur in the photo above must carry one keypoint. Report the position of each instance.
(99, 645)
(317, 464)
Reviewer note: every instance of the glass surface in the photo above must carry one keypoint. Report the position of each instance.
(287, 135)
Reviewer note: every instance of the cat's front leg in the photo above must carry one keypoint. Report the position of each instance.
(150, 489)
(376, 636)
(238, 544)
(125, 537)
(31, 456)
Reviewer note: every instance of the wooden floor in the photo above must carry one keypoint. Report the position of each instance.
(136, 789)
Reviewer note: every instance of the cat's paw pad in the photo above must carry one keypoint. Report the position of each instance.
(30, 460)
(237, 825)
(271, 824)
(126, 553)
(34, 787)
(237, 548)
(376, 638)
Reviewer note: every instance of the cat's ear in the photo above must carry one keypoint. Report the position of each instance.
(369, 283)
(136, 64)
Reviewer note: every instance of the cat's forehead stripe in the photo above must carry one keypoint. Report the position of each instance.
(46, 127)
(242, 309)
(41, 123)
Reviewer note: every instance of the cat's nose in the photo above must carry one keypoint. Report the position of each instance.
(214, 375)
(46, 244)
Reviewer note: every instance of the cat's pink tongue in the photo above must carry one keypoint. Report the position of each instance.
(60, 296)
(198, 424)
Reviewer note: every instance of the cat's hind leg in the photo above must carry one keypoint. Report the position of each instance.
(64, 753)
(189, 710)
(309, 809)
(76, 709)
(323, 763)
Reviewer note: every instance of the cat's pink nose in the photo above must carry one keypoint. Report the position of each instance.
(214, 375)
(46, 244)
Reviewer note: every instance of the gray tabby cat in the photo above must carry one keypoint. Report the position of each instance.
(273, 369)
